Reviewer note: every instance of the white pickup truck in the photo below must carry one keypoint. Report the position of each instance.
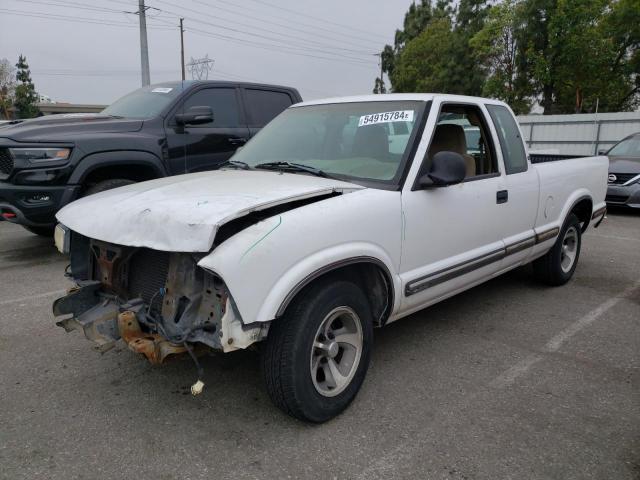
(317, 231)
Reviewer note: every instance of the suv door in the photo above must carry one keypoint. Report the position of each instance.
(452, 235)
(205, 146)
(263, 105)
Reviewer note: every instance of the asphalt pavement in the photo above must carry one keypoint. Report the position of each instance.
(510, 380)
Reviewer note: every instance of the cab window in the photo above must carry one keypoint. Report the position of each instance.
(222, 101)
(264, 105)
(513, 153)
(462, 129)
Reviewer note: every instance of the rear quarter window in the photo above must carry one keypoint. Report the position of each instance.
(264, 105)
(513, 153)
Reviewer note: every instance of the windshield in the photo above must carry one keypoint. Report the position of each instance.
(366, 140)
(146, 102)
(629, 147)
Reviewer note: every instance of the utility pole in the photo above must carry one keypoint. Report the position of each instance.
(182, 47)
(144, 49)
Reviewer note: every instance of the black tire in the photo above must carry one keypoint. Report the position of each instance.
(42, 231)
(289, 353)
(107, 185)
(550, 268)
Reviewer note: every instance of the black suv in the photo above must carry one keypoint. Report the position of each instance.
(156, 131)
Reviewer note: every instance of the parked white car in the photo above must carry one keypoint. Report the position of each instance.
(316, 232)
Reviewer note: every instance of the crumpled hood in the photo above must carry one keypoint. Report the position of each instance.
(56, 128)
(183, 213)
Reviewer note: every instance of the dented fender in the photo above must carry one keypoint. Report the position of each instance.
(265, 262)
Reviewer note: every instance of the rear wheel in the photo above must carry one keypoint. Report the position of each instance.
(556, 267)
(317, 355)
(107, 185)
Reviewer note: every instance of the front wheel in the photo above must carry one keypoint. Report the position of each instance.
(41, 231)
(107, 185)
(317, 355)
(556, 267)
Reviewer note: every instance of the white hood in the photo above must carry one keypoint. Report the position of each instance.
(183, 213)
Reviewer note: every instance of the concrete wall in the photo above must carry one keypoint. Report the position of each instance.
(582, 134)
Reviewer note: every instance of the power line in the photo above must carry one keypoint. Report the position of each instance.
(349, 27)
(281, 46)
(267, 37)
(288, 25)
(69, 4)
(271, 47)
(72, 19)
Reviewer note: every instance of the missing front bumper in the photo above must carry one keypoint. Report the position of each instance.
(105, 320)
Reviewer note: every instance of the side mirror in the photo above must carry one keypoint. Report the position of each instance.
(447, 168)
(602, 152)
(195, 116)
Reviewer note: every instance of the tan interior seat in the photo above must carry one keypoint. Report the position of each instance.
(449, 137)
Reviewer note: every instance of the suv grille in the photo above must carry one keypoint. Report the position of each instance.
(622, 178)
(6, 163)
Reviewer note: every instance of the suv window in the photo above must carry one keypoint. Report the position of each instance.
(264, 105)
(513, 153)
(222, 101)
(463, 129)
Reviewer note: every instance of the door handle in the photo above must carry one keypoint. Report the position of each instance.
(502, 196)
(237, 140)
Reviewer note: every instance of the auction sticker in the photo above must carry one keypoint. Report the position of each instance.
(161, 90)
(386, 117)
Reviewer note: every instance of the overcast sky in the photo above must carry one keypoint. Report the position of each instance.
(88, 51)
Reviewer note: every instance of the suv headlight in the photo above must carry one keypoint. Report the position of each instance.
(36, 155)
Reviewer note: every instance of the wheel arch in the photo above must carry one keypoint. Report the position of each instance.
(583, 208)
(371, 274)
(130, 164)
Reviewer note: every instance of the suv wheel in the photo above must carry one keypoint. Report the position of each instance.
(317, 355)
(107, 185)
(42, 231)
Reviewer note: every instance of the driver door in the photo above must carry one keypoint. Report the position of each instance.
(452, 235)
(196, 148)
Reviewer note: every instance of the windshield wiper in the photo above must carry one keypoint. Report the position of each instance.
(292, 166)
(235, 163)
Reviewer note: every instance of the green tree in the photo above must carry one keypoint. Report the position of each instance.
(496, 47)
(413, 65)
(423, 64)
(415, 21)
(614, 79)
(582, 53)
(467, 75)
(25, 92)
(7, 87)
(567, 55)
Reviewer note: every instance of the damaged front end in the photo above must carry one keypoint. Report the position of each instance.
(159, 303)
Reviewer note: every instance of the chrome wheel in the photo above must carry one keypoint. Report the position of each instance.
(569, 249)
(336, 351)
